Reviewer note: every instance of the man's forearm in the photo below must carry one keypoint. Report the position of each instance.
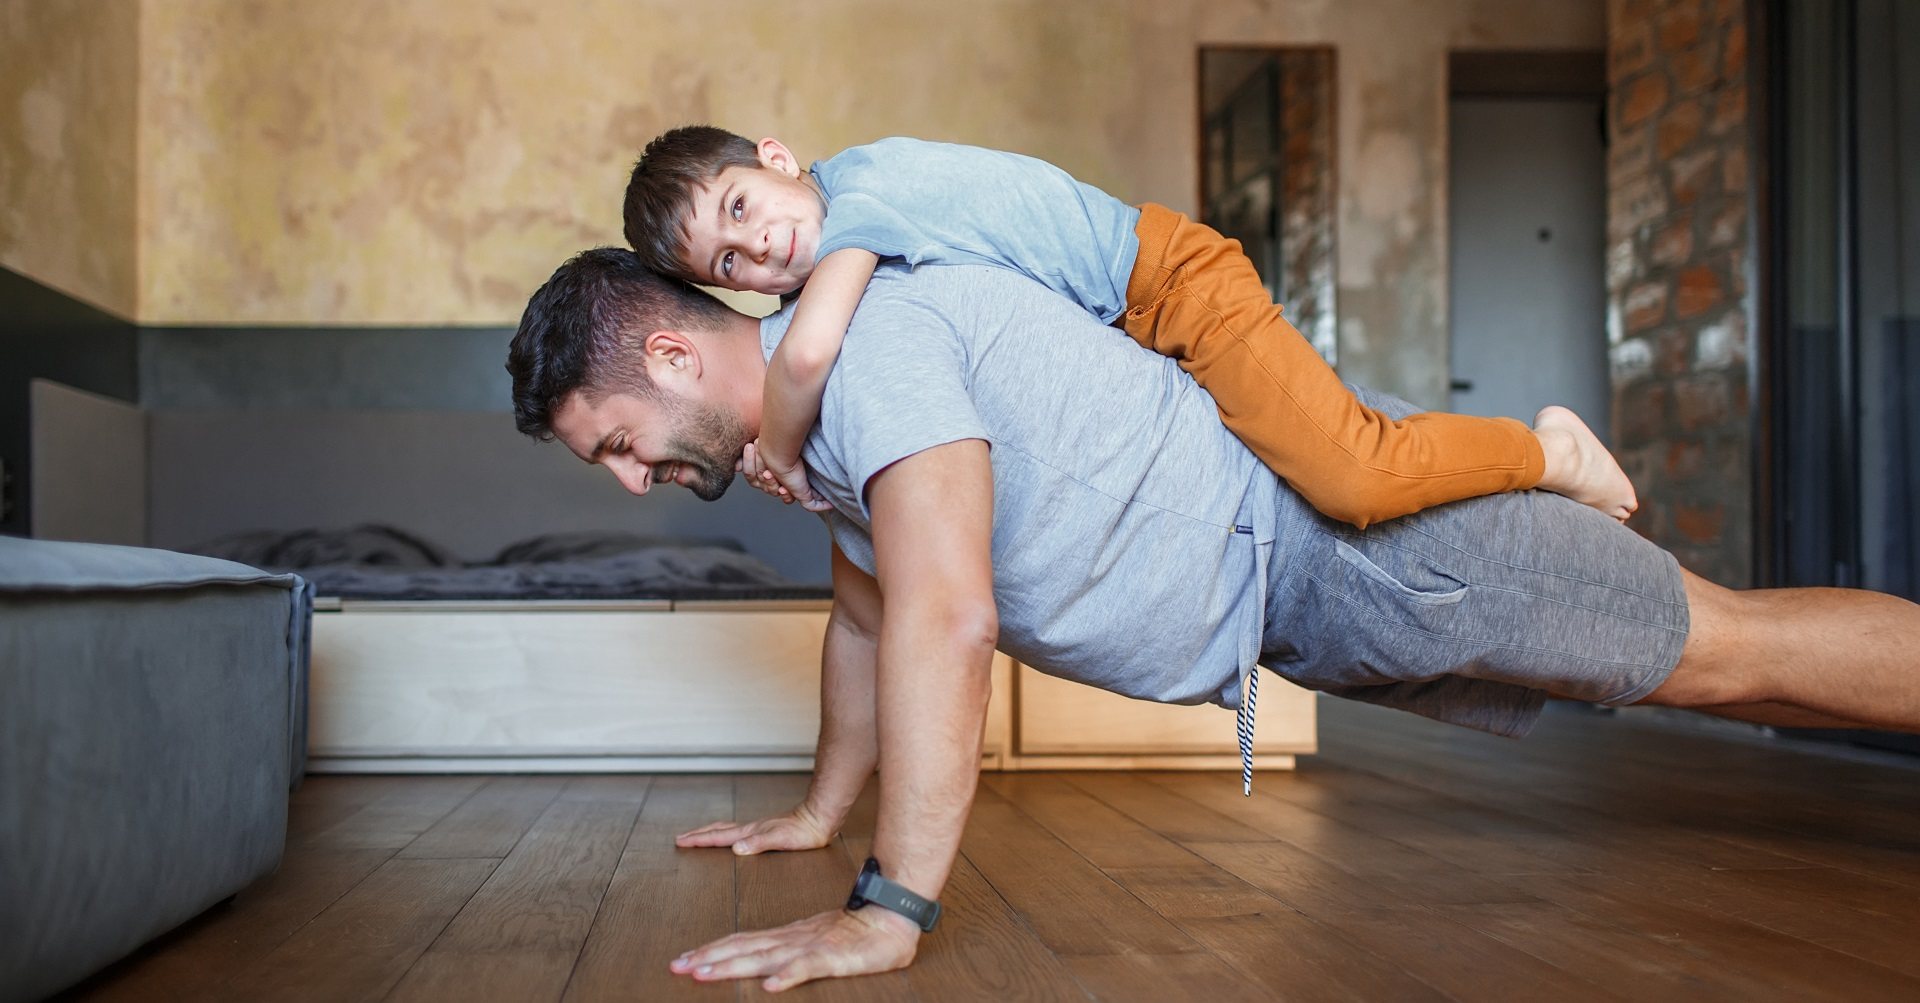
(848, 746)
(932, 536)
(934, 683)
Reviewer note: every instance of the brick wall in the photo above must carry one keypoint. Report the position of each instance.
(1678, 267)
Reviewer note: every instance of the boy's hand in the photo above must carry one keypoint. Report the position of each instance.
(788, 485)
(755, 471)
(793, 480)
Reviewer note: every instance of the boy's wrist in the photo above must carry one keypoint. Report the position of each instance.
(779, 461)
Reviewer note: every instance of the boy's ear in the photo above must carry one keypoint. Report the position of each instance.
(775, 155)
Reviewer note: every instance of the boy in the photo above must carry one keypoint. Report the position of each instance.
(714, 208)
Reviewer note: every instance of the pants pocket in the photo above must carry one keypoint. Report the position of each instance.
(1413, 578)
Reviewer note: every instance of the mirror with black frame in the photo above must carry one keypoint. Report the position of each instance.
(1267, 171)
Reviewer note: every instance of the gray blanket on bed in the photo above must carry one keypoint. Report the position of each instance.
(383, 562)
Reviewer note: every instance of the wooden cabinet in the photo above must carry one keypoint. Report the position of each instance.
(1060, 724)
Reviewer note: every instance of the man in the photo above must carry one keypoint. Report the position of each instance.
(1004, 470)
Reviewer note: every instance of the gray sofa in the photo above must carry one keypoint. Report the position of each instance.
(152, 721)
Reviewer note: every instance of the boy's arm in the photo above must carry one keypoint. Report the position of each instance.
(797, 373)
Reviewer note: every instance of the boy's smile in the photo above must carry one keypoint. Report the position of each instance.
(755, 229)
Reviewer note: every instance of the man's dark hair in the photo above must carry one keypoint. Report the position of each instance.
(583, 331)
(660, 192)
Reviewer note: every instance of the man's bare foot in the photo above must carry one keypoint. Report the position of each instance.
(1579, 465)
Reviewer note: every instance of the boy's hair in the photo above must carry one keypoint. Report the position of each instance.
(660, 192)
(583, 331)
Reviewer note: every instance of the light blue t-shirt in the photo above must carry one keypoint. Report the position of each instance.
(942, 203)
(1131, 531)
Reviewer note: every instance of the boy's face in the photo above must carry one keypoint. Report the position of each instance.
(755, 229)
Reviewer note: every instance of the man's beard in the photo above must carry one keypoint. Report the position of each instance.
(708, 441)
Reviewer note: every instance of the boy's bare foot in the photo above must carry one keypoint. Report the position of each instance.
(1579, 465)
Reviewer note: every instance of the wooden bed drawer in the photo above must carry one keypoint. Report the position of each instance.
(561, 686)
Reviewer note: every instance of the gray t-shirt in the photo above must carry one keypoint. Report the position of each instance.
(1132, 531)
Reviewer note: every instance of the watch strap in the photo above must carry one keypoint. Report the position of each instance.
(871, 888)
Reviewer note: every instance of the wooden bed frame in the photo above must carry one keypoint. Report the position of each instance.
(657, 686)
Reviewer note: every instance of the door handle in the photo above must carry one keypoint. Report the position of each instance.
(1461, 386)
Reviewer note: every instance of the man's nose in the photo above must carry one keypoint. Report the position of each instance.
(633, 477)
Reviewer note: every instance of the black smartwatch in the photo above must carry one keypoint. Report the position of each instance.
(872, 889)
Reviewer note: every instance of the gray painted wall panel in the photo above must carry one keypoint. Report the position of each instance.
(464, 480)
(47, 334)
(403, 369)
(89, 476)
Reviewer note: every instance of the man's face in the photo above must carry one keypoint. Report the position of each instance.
(754, 229)
(649, 441)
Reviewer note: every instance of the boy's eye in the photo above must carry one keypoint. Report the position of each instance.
(739, 208)
(726, 264)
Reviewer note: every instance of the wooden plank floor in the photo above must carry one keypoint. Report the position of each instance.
(1607, 857)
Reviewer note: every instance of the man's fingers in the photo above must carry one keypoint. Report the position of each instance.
(750, 838)
(740, 839)
(821, 946)
(730, 946)
(715, 834)
(765, 961)
(782, 838)
(723, 958)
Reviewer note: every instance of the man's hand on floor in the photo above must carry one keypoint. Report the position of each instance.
(830, 945)
(799, 829)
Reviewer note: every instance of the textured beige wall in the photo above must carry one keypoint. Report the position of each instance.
(68, 70)
(431, 161)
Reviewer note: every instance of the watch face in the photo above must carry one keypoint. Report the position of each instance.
(859, 898)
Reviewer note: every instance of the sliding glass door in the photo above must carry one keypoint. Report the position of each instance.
(1844, 373)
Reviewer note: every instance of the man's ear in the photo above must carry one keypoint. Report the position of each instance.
(672, 358)
(775, 156)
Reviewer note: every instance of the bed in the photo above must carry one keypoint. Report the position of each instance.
(608, 651)
(680, 650)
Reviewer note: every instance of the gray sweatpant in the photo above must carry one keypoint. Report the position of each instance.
(1474, 612)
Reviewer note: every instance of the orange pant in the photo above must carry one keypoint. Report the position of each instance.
(1195, 297)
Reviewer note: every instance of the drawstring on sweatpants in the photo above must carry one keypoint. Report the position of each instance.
(1244, 724)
